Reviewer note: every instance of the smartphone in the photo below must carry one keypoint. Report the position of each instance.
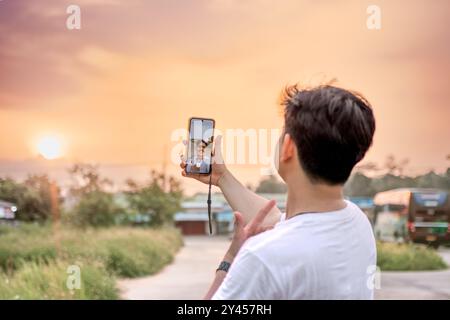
(200, 146)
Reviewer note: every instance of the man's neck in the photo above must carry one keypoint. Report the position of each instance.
(308, 197)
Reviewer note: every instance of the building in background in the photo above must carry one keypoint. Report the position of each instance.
(193, 218)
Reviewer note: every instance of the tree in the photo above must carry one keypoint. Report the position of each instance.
(95, 206)
(32, 197)
(86, 178)
(359, 186)
(447, 178)
(271, 185)
(153, 200)
(390, 181)
(367, 167)
(432, 180)
(42, 190)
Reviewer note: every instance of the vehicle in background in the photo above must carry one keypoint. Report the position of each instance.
(7, 213)
(416, 215)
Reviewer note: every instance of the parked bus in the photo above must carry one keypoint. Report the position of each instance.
(417, 215)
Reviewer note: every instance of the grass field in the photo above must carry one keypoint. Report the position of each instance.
(408, 257)
(34, 261)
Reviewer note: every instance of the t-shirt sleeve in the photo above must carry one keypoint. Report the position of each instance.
(248, 278)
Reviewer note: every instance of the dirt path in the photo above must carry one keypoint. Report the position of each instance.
(188, 277)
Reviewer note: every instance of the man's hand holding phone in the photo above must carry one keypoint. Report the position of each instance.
(239, 197)
(218, 171)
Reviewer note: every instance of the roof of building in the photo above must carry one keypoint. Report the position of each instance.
(218, 199)
(191, 216)
(362, 202)
(6, 204)
(201, 205)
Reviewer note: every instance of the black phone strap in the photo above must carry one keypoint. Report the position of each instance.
(209, 205)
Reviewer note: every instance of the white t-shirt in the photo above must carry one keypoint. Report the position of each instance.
(329, 255)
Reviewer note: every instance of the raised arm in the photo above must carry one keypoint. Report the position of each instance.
(238, 196)
(244, 200)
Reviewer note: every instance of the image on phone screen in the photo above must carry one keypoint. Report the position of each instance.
(200, 143)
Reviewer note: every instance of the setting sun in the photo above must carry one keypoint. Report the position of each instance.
(50, 147)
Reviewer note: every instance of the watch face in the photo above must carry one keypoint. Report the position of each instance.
(224, 266)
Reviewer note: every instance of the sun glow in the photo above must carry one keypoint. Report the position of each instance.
(50, 147)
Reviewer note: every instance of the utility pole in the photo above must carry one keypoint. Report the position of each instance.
(164, 167)
(54, 201)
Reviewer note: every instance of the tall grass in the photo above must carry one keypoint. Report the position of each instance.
(408, 257)
(48, 281)
(34, 260)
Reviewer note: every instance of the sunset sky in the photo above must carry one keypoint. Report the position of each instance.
(115, 90)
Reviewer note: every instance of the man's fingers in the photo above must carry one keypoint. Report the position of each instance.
(190, 175)
(182, 161)
(200, 177)
(261, 215)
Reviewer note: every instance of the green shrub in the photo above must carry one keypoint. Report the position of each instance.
(28, 243)
(136, 252)
(145, 259)
(96, 209)
(48, 281)
(408, 257)
(34, 265)
(127, 252)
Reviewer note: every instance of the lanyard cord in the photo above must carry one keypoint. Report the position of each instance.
(209, 205)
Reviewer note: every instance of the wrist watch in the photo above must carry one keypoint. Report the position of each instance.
(224, 266)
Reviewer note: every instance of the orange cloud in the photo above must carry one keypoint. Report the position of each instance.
(119, 86)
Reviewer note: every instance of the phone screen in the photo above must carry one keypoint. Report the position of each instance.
(200, 144)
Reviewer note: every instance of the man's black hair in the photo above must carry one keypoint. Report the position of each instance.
(332, 129)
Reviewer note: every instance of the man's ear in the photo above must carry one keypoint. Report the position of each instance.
(287, 148)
